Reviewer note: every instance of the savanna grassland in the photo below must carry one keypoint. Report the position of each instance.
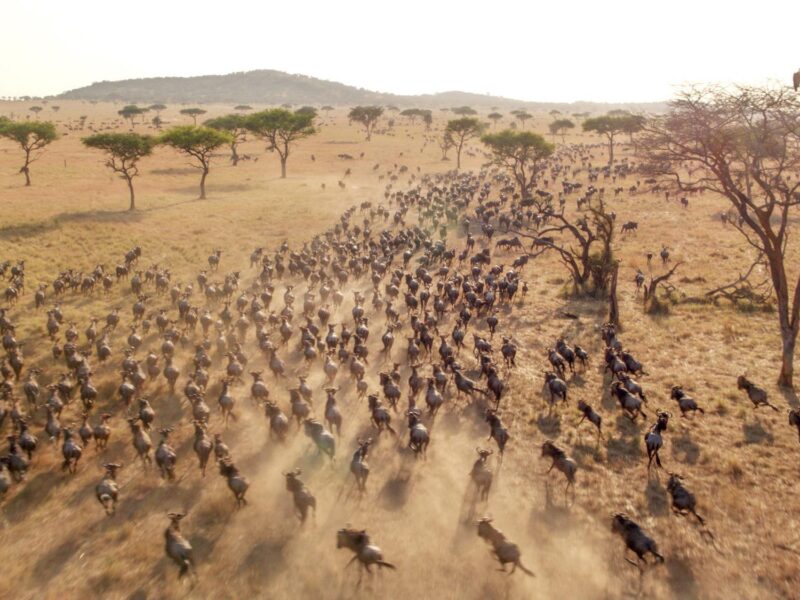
(741, 463)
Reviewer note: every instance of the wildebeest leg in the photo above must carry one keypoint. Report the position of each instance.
(625, 556)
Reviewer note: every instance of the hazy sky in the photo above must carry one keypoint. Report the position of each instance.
(559, 50)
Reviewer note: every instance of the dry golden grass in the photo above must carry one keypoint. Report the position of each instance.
(742, 465)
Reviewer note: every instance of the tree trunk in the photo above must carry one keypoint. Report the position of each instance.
(234, 155)
(788, 338)
(26, 168)
(458, 157)
(203, 184)
(283, 167)
(611, 150)
(613, 304)
(133, 197)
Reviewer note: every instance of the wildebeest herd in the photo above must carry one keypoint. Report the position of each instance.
(305, 314)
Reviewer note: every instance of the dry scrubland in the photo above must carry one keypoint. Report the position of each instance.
(742, 465)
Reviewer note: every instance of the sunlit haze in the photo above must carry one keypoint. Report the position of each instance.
(564, 50)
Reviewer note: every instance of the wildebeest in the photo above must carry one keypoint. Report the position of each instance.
(636, 540)
(502, 549)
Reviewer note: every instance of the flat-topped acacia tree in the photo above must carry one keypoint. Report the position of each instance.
(236, 125)
(609, 126)
(460, 131)
(280, 128)
(32, 137)
(367, 116)
(194, 113)
(198, 143)
(560, 126)
(521, 153)
(522, 116)
(464, 111)
(123, 152)
(130, 112)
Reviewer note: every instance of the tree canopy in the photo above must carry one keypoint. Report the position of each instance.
(157, 107)
(198, 143)
(280, 128)
(560, 126)
(522, 115)
(464, 111)
(307, 110)
(367, 116)
(130, 112)
(123, 152)
(236, 126)
(194, 113)
(32, 137)
(609, 126)
(425, 114)
(494, 117)
(520, 152)
(461, 130)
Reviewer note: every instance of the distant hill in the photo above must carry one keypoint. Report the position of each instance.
(276, 87)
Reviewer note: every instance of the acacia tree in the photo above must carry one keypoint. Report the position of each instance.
(427, 117)
(36, 110)
(280, 128)
(522, 115)
(743, 145)
(464, 111)
(580, 115)
(198, 143)
(194, 113)
(243, 107)
(307, 110)
(367, 116)
(130, 112)
(584, 245)
(411, 114)
(462, 130)
(32, 138)
(445, 143)
(494, 117)
(123, 150)
(157, 108)
(236, 126)
(609, 126)
(560, 126)
(521, 153)
(633, 124)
